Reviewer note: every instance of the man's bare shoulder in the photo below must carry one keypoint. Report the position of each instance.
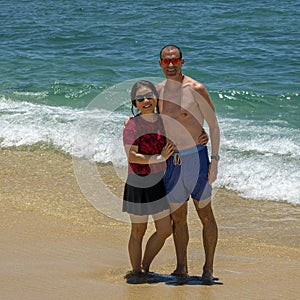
(160, 85)
(200, 89)
(194, 84)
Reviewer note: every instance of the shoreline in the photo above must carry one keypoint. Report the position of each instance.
(57, 245)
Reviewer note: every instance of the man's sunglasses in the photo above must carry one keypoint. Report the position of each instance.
(166, 61)
(141, 98)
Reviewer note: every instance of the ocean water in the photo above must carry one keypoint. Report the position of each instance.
(67, 67)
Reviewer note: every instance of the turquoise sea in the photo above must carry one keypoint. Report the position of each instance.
(57, 57)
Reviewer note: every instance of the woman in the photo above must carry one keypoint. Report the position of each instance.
(144, 192)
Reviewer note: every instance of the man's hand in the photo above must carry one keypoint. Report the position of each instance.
(167, 150)
(203, 138)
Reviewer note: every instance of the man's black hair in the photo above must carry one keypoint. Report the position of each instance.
(171, 46)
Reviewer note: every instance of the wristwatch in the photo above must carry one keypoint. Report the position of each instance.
(215, 157)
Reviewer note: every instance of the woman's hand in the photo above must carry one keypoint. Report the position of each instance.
(203, 138)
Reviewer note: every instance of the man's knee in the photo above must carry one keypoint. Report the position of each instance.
(205, 213)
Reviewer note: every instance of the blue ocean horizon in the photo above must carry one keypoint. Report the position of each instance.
(58, 57)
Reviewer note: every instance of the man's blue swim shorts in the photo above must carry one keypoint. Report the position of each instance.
(187, 175)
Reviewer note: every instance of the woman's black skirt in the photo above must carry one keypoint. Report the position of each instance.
(145, 194)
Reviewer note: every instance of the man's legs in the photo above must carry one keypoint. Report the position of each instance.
(210, 236)
(180, 236)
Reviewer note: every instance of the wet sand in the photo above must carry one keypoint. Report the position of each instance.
(56, 245)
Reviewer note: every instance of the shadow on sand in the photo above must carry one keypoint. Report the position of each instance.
(152, 278)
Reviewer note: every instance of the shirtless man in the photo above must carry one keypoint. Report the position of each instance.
(184, 105)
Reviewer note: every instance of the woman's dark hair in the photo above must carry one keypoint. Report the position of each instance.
(138, 85)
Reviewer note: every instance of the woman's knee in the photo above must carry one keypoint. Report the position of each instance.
(138, 231)
(165, 232)
(164, 227)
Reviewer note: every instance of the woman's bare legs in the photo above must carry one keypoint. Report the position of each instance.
(157, 239)
(138, 229)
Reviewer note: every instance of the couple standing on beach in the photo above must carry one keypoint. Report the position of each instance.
(168, 162)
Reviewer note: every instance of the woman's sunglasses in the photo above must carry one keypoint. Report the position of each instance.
(141, 98)
(166, 61)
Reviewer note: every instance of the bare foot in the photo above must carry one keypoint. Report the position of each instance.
(179, 272)
(207, 278)
(145, 269)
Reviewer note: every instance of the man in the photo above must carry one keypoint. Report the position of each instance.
(184, 105)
